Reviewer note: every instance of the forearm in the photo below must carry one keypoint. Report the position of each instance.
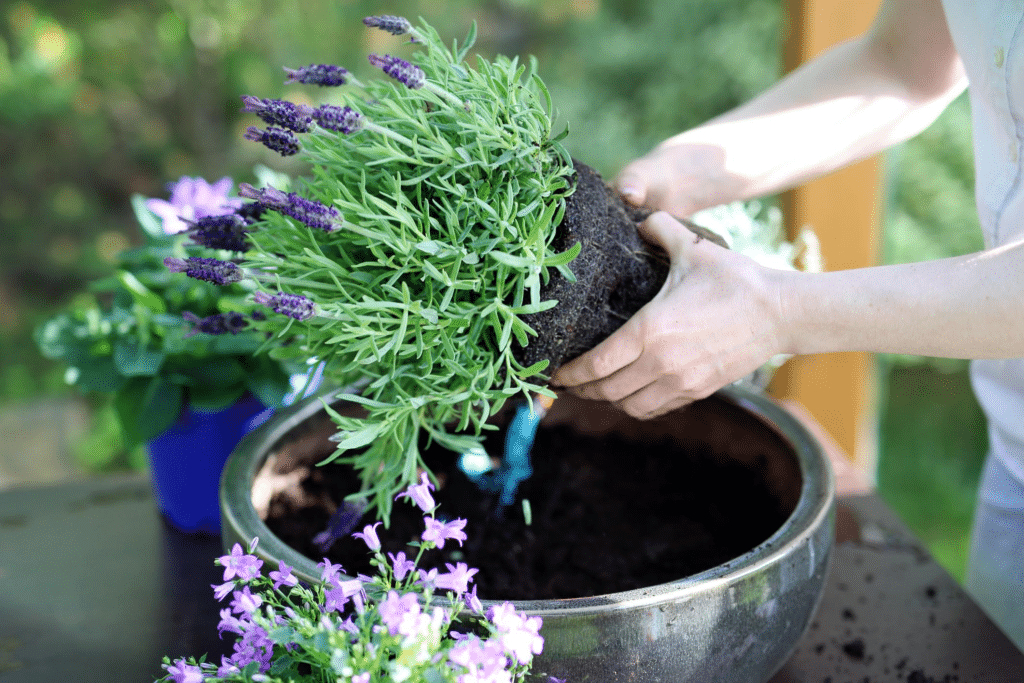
(963, 307)
(849, 103)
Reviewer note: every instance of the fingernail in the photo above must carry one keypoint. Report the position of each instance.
(631, 193)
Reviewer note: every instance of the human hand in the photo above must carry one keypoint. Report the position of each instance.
(715, 320)
(678, 177)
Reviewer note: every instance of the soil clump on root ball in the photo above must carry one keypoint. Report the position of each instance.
(616, 272)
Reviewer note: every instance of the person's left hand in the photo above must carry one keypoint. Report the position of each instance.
(715, 320)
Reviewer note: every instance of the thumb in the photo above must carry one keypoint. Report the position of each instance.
(662, 230)
(631, 183)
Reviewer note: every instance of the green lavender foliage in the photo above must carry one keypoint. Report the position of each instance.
(450, 195)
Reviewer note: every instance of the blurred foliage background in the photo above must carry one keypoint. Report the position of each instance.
(100, 100)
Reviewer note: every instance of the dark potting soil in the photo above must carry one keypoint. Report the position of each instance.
(616, 273)
(607, 515)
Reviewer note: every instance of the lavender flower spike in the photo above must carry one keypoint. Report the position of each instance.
(402, 71)
(218, 323)
(209, 269)
(294, 306)
(318, 74)
(220, 232)
(396, 26)
(311, 213)
(279, 140)
(297, 118)
(342, 119)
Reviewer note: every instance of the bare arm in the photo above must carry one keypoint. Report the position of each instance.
(847, 104)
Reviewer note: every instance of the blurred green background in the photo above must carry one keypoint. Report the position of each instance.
(99, 100)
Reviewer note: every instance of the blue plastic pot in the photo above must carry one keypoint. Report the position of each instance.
(186, 462)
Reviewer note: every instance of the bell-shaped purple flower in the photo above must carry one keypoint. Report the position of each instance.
(294, 306)
(294, 117)
(402, 71)
(311, 213)
(396, 26)
(342, 119)
(218, 323)
(318, 74)
(220, 232)
(208, 269)
(276, 139)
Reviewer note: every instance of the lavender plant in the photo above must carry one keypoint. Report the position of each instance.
(370, 629)
(408, 260)
(155, 342)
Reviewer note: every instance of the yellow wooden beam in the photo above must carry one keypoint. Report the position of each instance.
(843, 209)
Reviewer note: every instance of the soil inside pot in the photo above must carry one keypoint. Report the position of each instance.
(610, 511)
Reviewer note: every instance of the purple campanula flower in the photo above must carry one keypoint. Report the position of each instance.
(294, 306)
(280, 140)
(336, 598)
(223, 590)
(318, 74)
(245, 567)
(229, 623)
(220, 232)
(218, 323)
(329, 572)
(361, 678)
(283, 576)
(297, 118)
(519, 634)
(369, 536)
(395, 608)
(402, 71)
(183, 672)
(245, 602)
(401, 565)
(227, 668)
(342, 119)
(192, 199)
(396, 26)
(439, 532)
(456, 579)
(473, 601)
(420, 493)
(208, 269)
(306, 211)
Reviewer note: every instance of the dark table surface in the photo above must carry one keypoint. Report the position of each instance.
(94, 586)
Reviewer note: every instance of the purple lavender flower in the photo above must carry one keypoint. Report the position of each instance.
(251, 212)
(396, 26)
(275, 139)
(318, 74)
(456, 579)
(311, 213)
(294, 306)
(218, 323)
(369, 536)
(420, 493)
(283, 576)
(297, 118)
(192, 199)
(401, 565)
(342, 119)
(182, 672)
(220, 232)
(208, 269)
(402, 71)
(439, 532)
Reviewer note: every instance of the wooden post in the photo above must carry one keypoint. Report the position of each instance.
(838, 389)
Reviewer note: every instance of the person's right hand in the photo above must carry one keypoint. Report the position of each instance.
(679, 178)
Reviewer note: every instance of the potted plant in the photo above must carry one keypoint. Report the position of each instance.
(176, 356)
(444, 254)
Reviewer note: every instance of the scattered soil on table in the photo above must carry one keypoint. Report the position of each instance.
(616, 273)
(607, 515)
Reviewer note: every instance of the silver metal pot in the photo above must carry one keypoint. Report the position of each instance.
(738, 621)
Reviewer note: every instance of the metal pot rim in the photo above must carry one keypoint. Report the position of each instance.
(814, 508)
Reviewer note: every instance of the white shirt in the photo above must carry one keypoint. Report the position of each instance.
(989, 35)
